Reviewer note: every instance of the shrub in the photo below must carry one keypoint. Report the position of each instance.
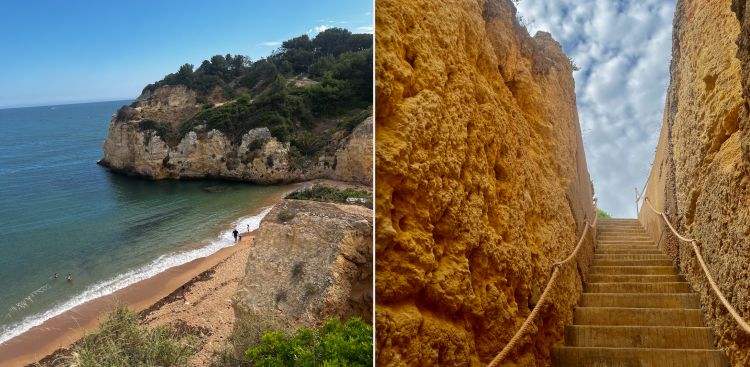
(336, 344)
(122, 341)
(333, 195)
(352, 122)
(298, 271)
(285, 215)
(124, 113)
(306, 143)
(602, 214)
(256, 144)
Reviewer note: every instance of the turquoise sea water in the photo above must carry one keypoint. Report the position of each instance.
(62, 213)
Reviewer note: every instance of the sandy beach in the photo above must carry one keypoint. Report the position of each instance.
(197, 293)
(144, 296)
(63, 330)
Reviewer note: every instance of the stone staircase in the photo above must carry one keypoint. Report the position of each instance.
(636, 309)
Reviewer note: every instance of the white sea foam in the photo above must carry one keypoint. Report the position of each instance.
(121, 281)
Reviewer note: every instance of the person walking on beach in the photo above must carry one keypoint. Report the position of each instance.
(248, 228)
(235, 233)
(69, 278)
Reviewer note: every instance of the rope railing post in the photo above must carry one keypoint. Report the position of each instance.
(556, 269)
(640, 195)
(696, 250)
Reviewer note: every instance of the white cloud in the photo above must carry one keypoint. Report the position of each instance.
(319, 28)
(365, 29)
(623, 50)
(270, 43)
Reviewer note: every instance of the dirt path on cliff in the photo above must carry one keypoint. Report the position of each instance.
(204, 304)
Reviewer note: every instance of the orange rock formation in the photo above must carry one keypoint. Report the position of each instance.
(481, 183)
(700, 174)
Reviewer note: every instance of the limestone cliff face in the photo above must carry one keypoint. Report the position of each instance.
(134, 147)
(700, 173)
(310, 262)
(481, 183)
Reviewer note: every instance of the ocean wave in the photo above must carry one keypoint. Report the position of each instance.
(162, 263)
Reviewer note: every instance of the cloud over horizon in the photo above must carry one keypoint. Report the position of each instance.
(623, 50)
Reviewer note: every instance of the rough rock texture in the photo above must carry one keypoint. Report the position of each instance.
(170, 103)
(134, 149)
(700, 174)
(354, 159)
(310, 262)
(482, 183)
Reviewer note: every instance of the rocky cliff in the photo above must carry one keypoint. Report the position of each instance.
(700, 173)
(310, 262)
(482, 183)
(135, 146)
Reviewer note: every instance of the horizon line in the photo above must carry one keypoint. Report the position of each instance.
(67, 103)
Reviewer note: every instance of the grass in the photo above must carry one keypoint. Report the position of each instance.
(332, 195)
(121, 341)
(602, 214)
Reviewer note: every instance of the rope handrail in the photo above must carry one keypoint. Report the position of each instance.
(743, 325)
(556, 268)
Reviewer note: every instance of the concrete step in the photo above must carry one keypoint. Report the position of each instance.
(610, 278)
(620, 233)
(636, 357)
(664, 262)
(621, 229)
(626, 243)
(619, 220)
(604, 249)
(672, 337)
(628, 236)
(610, 240)
(634, 270)
(598, 256)
(641, 300)
(653, 250)
(676, 287)
(637, 316)
(615, 227)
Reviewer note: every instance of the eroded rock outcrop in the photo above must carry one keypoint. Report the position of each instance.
(134, 146)
(310, 262)
(482, 183)
(700, 173)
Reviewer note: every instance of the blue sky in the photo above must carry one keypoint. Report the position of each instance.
(56, 52)
(623, 49)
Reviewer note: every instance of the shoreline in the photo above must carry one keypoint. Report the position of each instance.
(146, 297)
(64, 329)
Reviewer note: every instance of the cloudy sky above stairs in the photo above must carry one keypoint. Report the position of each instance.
(623, 49)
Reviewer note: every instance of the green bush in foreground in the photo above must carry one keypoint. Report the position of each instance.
(122, 341)
(602, 214)
(336, 344)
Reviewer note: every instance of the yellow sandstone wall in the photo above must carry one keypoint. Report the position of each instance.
(700, 173)
(481, 183)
